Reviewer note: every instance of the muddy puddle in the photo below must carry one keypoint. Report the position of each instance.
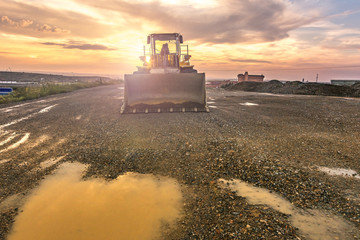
(249, 104)
(312, 224)
(340, 172)
(133, 206)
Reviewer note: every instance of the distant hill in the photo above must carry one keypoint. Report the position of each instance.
(296, 87)
(43, 78)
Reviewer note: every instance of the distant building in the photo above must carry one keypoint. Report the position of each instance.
(250, 78)
(344, 82)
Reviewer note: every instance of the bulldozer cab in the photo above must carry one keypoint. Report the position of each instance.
(165, 51)
(157, 40)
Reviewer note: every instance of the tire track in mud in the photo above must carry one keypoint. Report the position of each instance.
(15, 107)
(30, 149)
(16, 144)
(32, 152)
(43, 110)
(25, 153)
(10, 109)
(29, 163)
(10, 140)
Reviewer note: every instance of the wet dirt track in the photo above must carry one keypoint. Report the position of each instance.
(276, 142)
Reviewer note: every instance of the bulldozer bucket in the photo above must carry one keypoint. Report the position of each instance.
(168, 92)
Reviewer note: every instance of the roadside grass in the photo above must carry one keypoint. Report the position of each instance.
(31, 92)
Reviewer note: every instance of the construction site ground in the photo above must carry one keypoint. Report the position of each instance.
(296, 87)
(270, 141)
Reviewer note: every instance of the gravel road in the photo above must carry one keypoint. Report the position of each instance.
(274, 142)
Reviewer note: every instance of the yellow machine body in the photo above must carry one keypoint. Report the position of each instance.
(166, 82)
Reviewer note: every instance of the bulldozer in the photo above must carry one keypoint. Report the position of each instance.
(166, 82)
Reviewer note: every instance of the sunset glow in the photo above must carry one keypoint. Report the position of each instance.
(282, 39)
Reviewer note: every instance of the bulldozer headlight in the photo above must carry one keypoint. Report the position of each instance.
(148, 59)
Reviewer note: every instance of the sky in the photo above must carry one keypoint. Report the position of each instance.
(281, 39)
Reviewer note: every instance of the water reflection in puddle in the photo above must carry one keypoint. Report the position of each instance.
(119, 98)
(249, 104)
(133, 206)
(340, 172)
(313, 224)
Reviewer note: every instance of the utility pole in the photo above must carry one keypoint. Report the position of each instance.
(317, 77)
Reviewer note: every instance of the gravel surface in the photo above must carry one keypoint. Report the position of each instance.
(277, 142)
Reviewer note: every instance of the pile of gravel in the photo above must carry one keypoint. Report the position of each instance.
(296, 87)
(356, 87)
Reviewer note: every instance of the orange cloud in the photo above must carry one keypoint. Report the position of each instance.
(54, 29)
(46, 21)
(30, 25)
(236, 21)
(21, 23)
(80, 45)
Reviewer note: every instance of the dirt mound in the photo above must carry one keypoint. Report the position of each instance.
(271, 86)
(356, 86)
(326, 89)
(245, 86)
(296, 87)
